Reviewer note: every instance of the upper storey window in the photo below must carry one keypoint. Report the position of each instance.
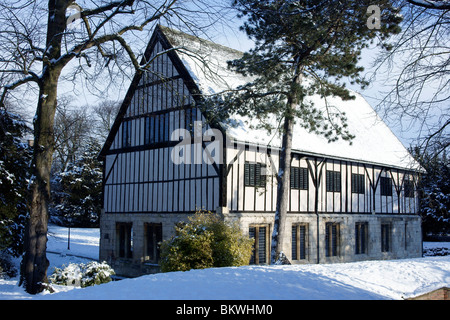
(333, 181)
(126, 134)
(386, 186)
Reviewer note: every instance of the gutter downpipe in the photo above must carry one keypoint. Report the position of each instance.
(316, 202)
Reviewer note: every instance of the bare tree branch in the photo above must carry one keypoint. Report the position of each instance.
(439, 5)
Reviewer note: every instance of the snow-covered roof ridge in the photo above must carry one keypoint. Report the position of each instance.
(206, 61)
(374, 142)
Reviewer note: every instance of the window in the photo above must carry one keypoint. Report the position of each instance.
(386, 186)
(385, 237)
(126, 134)
(157, 128)
(260, 247)
(358, 183)
(333, 181)
(149, 124)
(167, 132)
(153, 235)
(361, 232)
(190, 116)
(331, 239)
(253, 175)
(124, 245)
(409, 188)
(299, 178)
(299, 241)
(160, 119)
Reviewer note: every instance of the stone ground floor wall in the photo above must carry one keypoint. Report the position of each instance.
(405, 237)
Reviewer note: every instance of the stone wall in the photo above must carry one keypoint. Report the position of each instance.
(405, 239)
(136, 265)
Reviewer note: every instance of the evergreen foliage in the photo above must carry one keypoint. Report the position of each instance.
(319, 42)
(82, 275)
(78, 190)
(434, 188)
(15, 159)
(206, 241)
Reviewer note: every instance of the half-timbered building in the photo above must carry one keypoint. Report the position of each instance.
(163, 160)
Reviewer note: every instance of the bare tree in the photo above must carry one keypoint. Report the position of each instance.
(42, 44)
(73, 128)
(105, 113)
(419, 62)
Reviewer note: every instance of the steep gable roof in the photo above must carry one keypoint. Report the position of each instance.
(205, 63)
(158, 36)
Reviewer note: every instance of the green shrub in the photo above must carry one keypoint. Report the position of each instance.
(205, 241)
(7, 268)
(82, 275)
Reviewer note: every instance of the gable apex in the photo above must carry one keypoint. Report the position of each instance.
(159, 46)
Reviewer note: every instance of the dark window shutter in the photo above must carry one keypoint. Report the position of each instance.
(167, 127)
(246, 174)
(409, 189)
(302, 241)
(358, 183)
(303, 173)
(327, 239)
(386, 186)
(161, 127)
(334, 239)
(333, 181)
(251, 170)
(329, 182)
(151, 130)
(257, 174)
(293, 180)
(252, 235)
(156, 129)
(262, 245)
(294, 243)
(337, 182)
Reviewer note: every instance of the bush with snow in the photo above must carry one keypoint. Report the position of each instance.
(205, 241)
(15, 158)
(82, 275)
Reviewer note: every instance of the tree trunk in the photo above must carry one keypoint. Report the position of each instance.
(35, 263)
(283, 188)
(279, 236)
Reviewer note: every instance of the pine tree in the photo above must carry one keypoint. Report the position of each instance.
(78, 200)
(15, 159)
(434, 188)
(303, 48)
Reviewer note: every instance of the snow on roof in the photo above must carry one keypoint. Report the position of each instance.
(374, 142)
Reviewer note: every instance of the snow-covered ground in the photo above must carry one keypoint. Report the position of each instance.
(369, 280)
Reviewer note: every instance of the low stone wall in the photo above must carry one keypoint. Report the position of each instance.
(438, 294)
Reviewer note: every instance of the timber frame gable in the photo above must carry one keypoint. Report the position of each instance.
(170, 51)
